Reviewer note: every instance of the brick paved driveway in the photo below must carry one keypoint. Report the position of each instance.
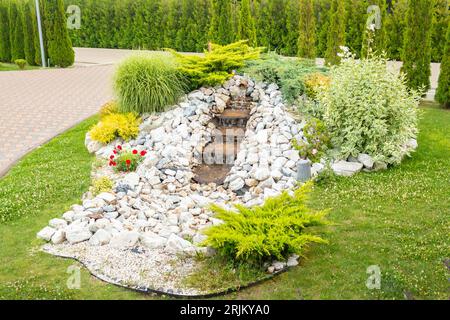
(37, 105)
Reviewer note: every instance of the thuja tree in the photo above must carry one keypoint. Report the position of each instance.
(336, 32)
(5, 44)
(443, 91)
(290, 38)
(221, 30)
(440, 22)
(28, 31)
(16, 32)
(417, 44)
(246, 25)
(307, 30)
(59, 45)
(323, 24)
(356, 22)
(395, 24)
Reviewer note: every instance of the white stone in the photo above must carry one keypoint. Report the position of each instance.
(100, 238)
(59, 237)
(262, 174)
(261, 137)
(176, 244)
(46, 233)
(57, 223)
(158, 134)
(347, 169)
(107, 197)
(125, 239)
(237, 184)
(68, 216)
(366, 160)
(292, 262)
(131, 179)
(76, 234)
(292, 155)
(153, 241)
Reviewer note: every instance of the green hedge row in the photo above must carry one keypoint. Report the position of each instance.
(187, 25)
(19, 33)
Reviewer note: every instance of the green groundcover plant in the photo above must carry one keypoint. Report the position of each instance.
(368, 109)
(148, 83)
(276, 229)
(289, 74)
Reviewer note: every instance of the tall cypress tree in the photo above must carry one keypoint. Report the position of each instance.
(290, 40)
(60, 50)
(16, 32)
(307, 33)
(247, 30)
(5, 44)
(336, 32)
(28, 31)
(417, 44)
(323, 24)
(356, 23)
(263, 24)
(440, 22)
(221, 30)
(443, 90)
(395, 26)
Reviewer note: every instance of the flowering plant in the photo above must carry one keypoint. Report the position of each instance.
(126, 161)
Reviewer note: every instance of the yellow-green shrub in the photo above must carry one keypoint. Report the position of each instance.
(274, 230)
(125, 126)
(108, 108)
(215, 66)
(316, 82)
(102, 184)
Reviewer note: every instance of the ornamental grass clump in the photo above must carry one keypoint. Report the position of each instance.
(148, 83)
(368, 109)
(277, 229)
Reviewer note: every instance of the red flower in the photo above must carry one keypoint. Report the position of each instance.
(128, 162)
(135, 151)
(114, 163)
(143, 153)
(110, 163)
(111, 157)
(119, 147)
(115, 152)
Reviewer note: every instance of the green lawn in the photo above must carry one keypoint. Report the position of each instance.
(14, 67)
(397, 219)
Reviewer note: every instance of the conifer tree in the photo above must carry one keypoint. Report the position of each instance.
(443, 90)
(323, 24)
(28, 31)
(395, 26)
(417, 44)
(221, 30)
(16, 32)
(263, 24)
(440, 22)
(59, 46)
(336, 32)
(246, 29)
(307, 33)
(5, 44)
(290, 40)
(356, 23)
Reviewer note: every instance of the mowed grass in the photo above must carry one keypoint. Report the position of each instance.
(397, 220)
(14, 67)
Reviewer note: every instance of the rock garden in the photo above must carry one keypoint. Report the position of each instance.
(198, 160)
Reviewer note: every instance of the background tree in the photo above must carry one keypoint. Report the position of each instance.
(59, 46)
(395, 25)
(263, 23)
(439, 29)
(16, 32)
(443, 90)
(417, 44)
(290, 38)
(28, 32)
(323, 23)
(307, 32)
(221, 29)
(246, 30)
(356, 24)
(5, 44)
(336, 32)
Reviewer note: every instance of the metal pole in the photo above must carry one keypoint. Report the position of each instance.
(41, 38)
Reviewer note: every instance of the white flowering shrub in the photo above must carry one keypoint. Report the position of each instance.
(368, 109)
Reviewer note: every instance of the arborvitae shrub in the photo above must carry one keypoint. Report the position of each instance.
(5, 44)
(336, 32)
(16, 32)
(443, 91)
(307, 32)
